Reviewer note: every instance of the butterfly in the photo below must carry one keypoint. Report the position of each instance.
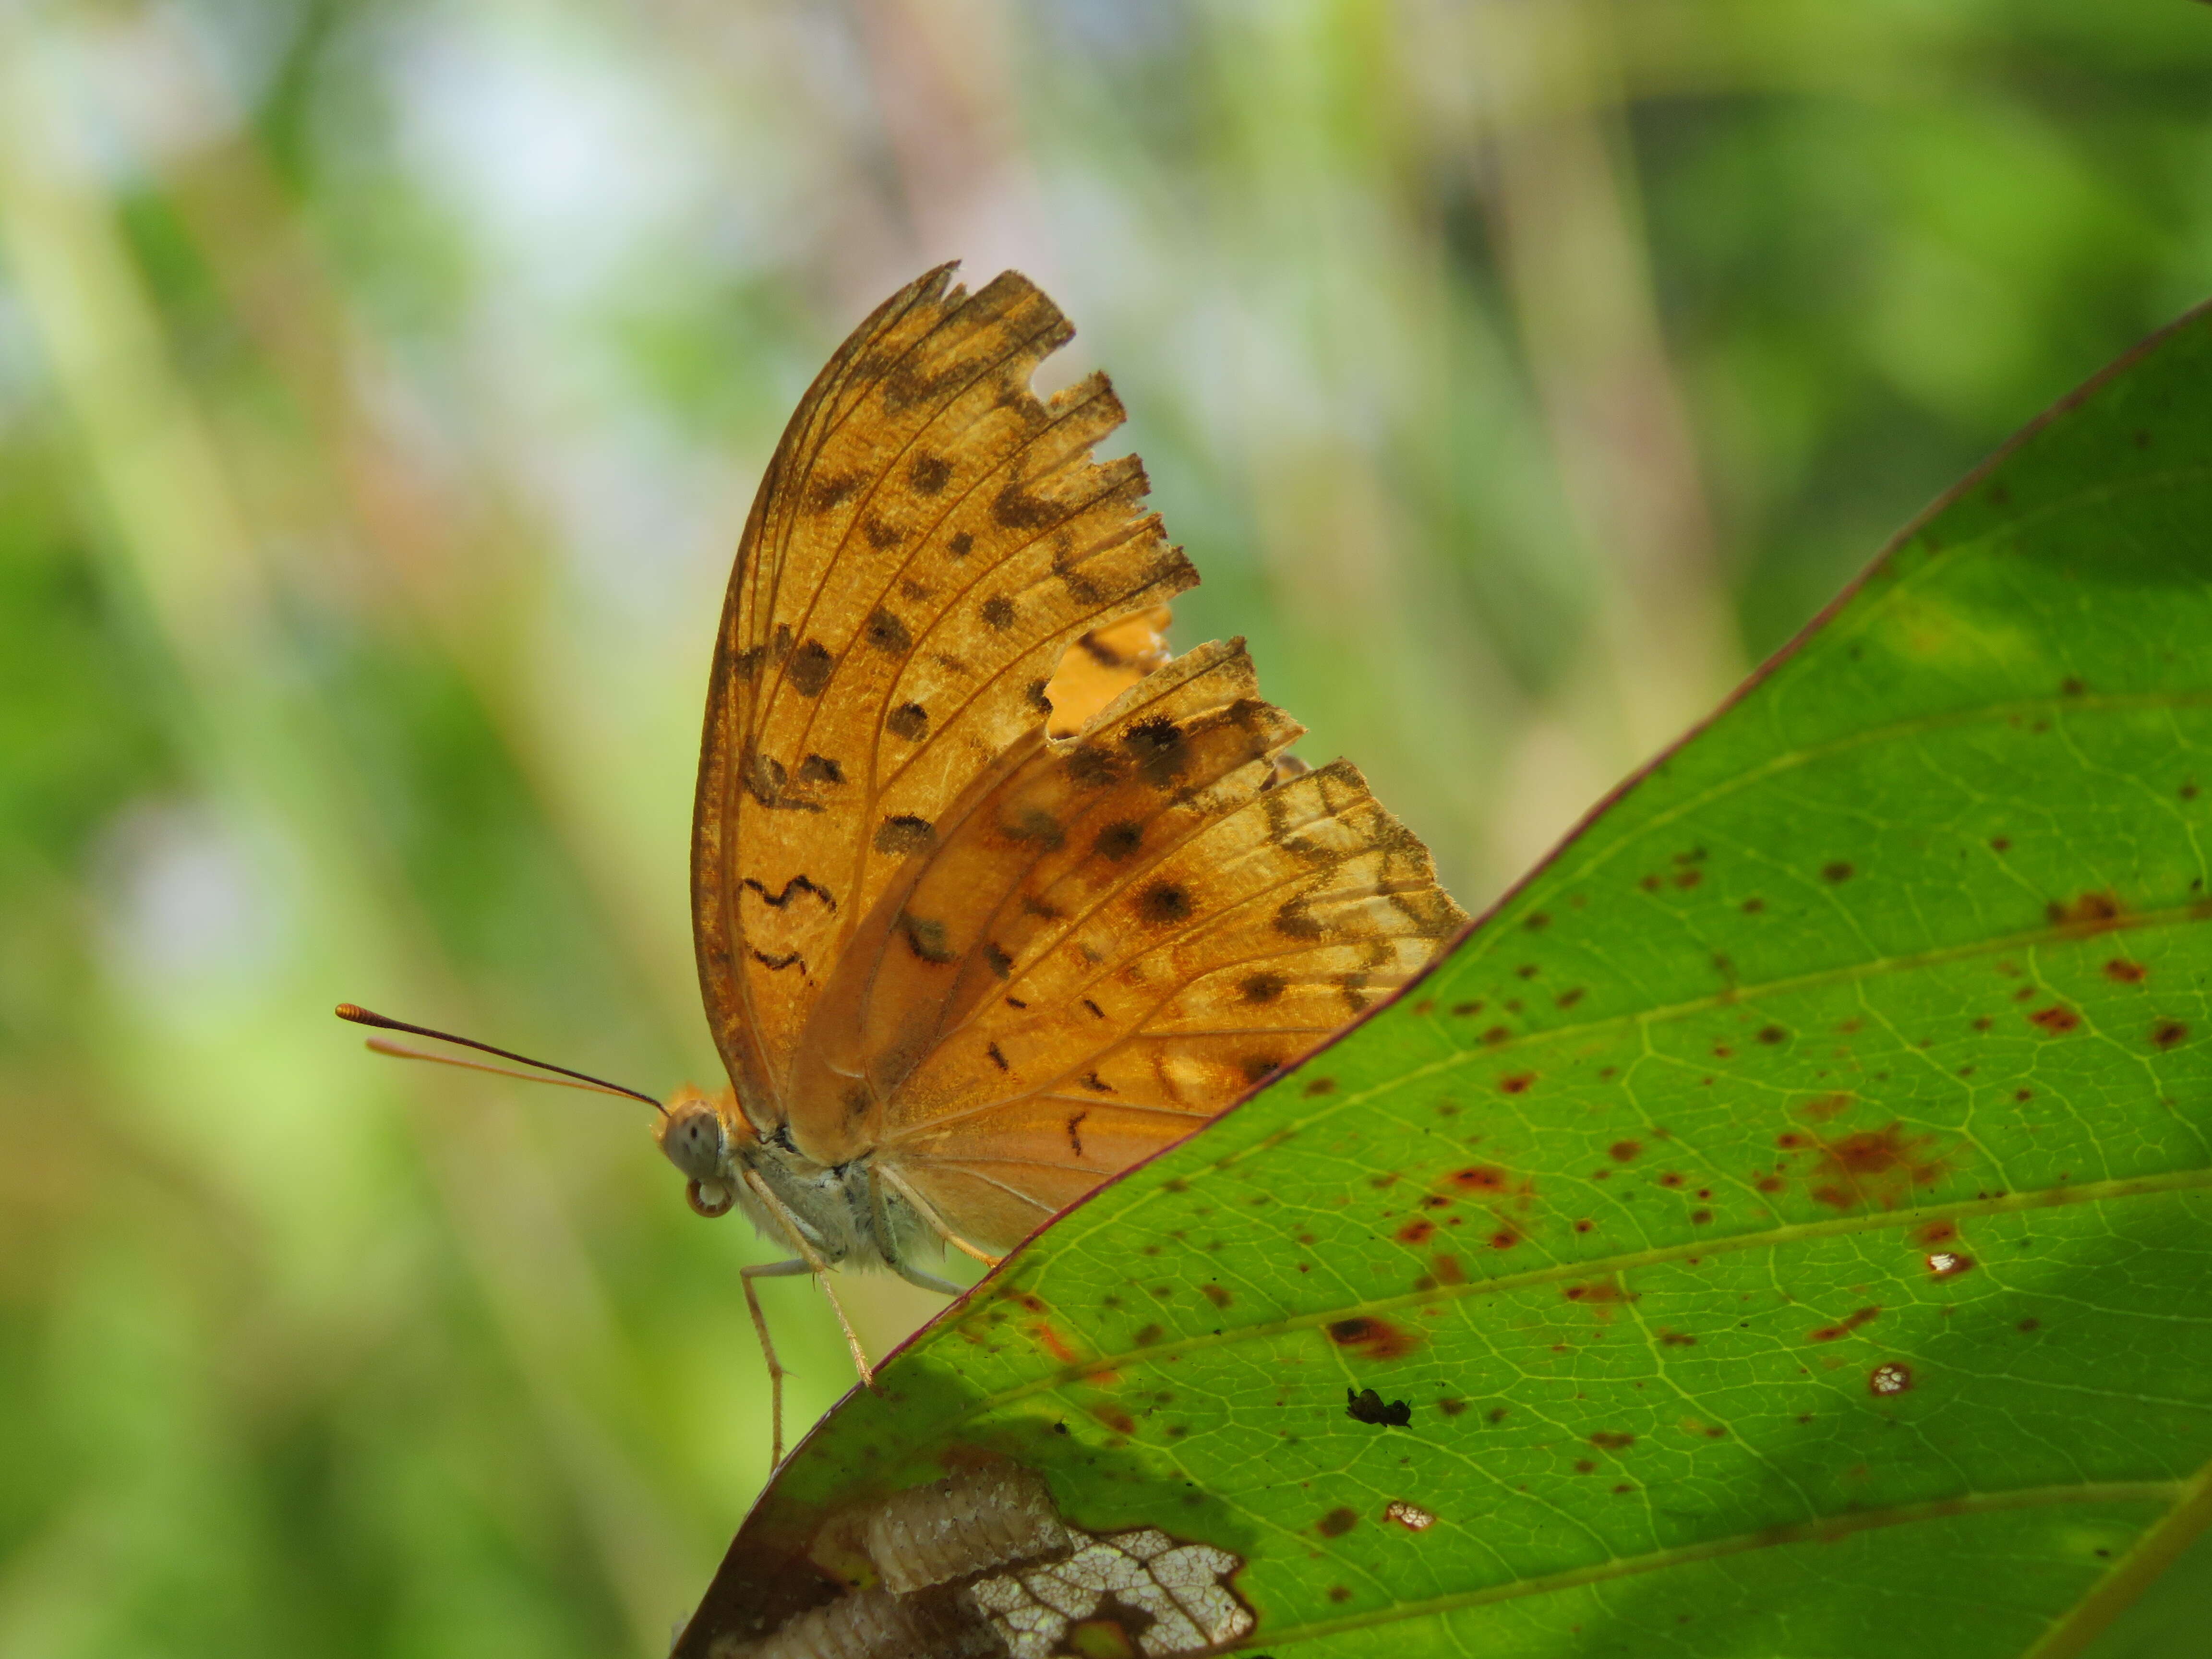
(992, 898)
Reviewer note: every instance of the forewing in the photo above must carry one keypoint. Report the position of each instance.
(1116, 937)
(928, 539)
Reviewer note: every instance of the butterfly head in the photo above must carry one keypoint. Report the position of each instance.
(701, 1133)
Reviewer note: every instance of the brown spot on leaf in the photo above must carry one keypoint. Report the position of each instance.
(1517, 1083)
(2121, 971)
(1837, 871)
(1845, 1326)
(1373, 1339)
(2168, 1032)
(1597, 1292)
(2057, 1020)
(1337, 1522)
(1611, 1440)
(1478, 1178)
(1625, 1151)
(2092, 913)
(1890, 1377)
(1215, 1294)
(1874, 1166)
(1416, 1232)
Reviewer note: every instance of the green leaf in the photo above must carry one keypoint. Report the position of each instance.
(1783, 1216)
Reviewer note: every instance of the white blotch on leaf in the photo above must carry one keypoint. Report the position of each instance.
(1412, 1516)
(1179, 1586)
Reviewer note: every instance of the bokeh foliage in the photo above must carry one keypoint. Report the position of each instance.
(382, 385)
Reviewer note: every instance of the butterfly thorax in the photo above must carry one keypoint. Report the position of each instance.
(843, 1212)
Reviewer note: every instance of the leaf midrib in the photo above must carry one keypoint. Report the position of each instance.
(2030, 939)
(2172, 1493)
(1602, 1267)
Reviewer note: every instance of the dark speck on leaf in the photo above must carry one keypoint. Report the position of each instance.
(1368, 1406)
(1837, 871)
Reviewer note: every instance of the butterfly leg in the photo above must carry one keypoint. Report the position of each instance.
(927, 1212)
(914, 1275)
(813, 1263)
(746, 1277)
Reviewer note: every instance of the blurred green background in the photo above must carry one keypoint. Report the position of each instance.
(382, 386)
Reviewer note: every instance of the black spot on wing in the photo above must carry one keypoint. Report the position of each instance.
(811, 665)
(905, 834)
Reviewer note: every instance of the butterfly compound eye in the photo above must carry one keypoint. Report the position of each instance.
(692, 1138)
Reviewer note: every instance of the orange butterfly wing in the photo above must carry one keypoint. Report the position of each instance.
(1101, 665)
(1115, 937)
(1008, 962)
(929, 538)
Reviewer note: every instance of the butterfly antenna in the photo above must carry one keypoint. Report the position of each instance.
(361, 1016)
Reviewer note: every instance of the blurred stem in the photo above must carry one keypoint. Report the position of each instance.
(1580, 280)
(184, 548)
(459, 568)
